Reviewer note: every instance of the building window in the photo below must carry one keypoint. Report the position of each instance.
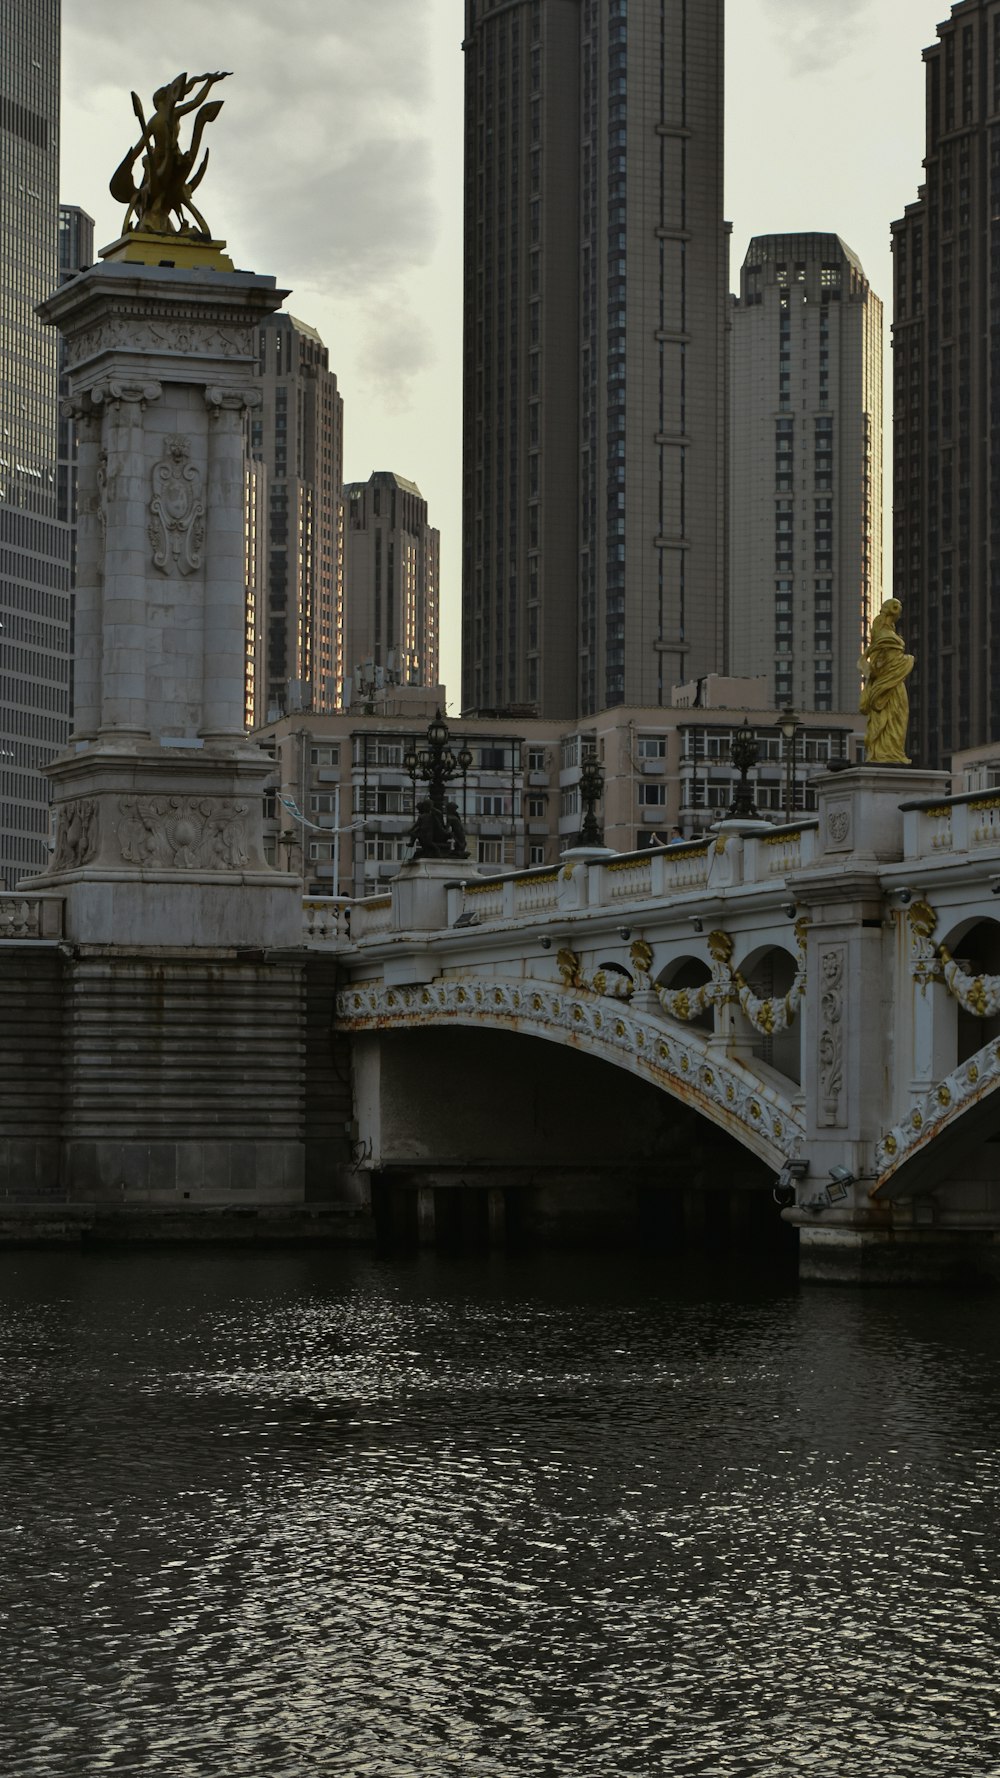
(652, 746)
(653, 795)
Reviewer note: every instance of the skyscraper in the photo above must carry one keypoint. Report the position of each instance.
(805, 480)
(594, 556)
(298, 433)
(34, 544)
(391, 584)
(946, 397)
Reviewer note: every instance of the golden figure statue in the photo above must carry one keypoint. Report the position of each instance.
(884, 699)
(167, 177)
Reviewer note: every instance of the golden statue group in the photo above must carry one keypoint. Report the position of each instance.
(168, 175)
(884, 700)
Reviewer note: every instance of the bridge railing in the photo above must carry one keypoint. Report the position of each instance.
(31, 916)
(371, 916)
(723, 861)
(326, 919)
(777, 854)
(962, 824)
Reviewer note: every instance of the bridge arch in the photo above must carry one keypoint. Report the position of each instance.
(679, 1062)
(948, 1125)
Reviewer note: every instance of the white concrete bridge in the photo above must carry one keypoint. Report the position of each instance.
(827, 995)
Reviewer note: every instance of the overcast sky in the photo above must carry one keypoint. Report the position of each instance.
(337, 166)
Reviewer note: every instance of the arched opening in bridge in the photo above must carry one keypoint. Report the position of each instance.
(769, 973)
(693, 973)
(976, 950)
(485, 1136)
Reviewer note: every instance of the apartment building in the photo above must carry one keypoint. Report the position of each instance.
(596, 280)
(805, 443)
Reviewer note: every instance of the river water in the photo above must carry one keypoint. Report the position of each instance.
(286, 1514)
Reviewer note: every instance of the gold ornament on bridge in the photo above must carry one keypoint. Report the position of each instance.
(884, 700)
(170, 175)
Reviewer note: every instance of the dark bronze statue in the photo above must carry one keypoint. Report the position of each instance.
(438, 833)
(168, 180)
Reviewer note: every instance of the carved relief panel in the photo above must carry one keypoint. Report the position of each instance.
(177, 510)
(832, 965)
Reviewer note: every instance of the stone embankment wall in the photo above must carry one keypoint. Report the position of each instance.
(180, 1096)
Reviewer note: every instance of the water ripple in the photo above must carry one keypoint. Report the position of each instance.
(289, 1516)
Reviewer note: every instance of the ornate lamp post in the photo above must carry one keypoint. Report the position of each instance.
(437, 830)
(744, 754)
(591, 790)
(789, 724)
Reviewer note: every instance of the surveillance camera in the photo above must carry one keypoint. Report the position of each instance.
(790, 909)
(625, 932)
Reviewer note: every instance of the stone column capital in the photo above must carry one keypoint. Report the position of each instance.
(231, 401)
(113, 393)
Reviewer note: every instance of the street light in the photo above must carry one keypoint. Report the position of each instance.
(789, 725)
(744, 754)
(591, 789)
(437, 829)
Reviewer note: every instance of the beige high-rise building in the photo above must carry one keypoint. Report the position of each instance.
(596, 275)
(298, 433)
(946, 397)
(805, 439)
(391, 581)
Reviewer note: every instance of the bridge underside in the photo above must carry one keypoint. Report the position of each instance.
(486, 1136)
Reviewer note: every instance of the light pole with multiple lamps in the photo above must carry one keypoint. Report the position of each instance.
(591, 791)
(437, 828)
(744, 753)
(789, 725)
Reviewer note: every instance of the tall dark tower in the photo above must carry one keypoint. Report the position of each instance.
(596, 272)
(34, 543)
(946, 397)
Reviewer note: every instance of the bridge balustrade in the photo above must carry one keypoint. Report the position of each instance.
(30, 917)
(326, 919)
(955, 824)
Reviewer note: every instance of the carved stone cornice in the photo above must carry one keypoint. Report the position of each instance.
(183, 334)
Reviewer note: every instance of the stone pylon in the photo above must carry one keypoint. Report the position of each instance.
(158, 802)
(179, 1081)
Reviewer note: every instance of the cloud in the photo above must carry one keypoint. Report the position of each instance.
(816, 34)
(397, 347)
(321, 165)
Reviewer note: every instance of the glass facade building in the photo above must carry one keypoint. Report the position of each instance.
(34, 538)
